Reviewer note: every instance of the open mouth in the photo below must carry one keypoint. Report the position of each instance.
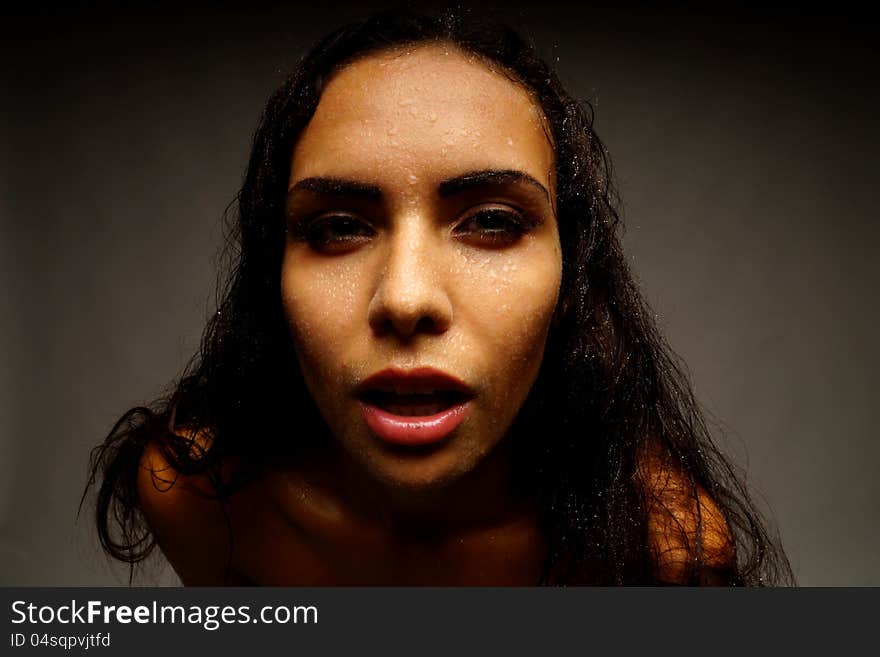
(414, 404)
(417, 407)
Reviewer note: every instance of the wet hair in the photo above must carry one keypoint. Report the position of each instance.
(610, 437)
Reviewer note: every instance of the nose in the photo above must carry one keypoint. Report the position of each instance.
(410, 297)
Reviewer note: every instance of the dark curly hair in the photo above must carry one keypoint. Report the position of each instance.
(610, 395)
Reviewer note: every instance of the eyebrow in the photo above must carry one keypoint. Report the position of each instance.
(338, 187)
(341, 187)
(488, 178)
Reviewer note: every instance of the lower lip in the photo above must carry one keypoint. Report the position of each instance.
(414, 429)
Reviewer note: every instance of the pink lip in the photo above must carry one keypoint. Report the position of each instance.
(413, 429)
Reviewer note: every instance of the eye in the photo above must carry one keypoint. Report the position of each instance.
(493, 227)
(335, 233)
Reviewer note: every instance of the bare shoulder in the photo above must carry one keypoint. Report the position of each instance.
(186, 518)
(686, 527)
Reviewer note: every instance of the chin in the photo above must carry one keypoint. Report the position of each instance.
(418, 473)
(410, 474)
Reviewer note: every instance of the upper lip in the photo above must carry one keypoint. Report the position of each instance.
(420, 380)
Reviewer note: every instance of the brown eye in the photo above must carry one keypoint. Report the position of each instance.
(336, 233)
(493, 227)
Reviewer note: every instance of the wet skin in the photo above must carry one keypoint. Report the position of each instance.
(421, 233)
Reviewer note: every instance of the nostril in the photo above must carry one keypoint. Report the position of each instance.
(426, 325)
(406, 327)
(406, 304)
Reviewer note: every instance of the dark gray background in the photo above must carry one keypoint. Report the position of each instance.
(746, 153)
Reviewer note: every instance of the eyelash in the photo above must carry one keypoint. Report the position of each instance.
(311, 231)
(516, 225)
(314, 231)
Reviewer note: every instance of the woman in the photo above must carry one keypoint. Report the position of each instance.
(430, 364)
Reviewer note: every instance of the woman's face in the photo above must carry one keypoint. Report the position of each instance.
(423, 247)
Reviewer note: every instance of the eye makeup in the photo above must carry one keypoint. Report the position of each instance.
(494, 227)
(486, 209)
(335, 232)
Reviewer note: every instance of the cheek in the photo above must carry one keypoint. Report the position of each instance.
(322, 308)
(510, 306)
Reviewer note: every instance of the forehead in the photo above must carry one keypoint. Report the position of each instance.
(426, 108)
